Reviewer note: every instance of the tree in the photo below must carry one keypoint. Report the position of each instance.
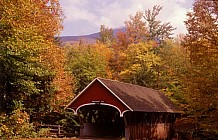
(156, 30)
(140, 65)
(145, 27)
(122, 41)
(174, 58)
(142, 27)
(201, 81)
(28, 30)
(87, 62)
(106, 35)
(136, 30)
(55, 61)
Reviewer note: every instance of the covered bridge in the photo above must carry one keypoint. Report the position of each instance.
(111, 108)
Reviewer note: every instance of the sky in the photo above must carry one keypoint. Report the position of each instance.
(83, 17)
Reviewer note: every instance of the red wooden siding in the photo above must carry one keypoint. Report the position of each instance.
(97, 92)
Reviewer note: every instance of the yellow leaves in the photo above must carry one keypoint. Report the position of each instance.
(16, 126)
(132, 70)
(19, 117)
(201, 79)
(4, 129)
(30, 14)
(103, 50)
(29, 48)
(141, 64)
(143, 54)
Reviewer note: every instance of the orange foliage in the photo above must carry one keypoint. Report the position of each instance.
(55, 59)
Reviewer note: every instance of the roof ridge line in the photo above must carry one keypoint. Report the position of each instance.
(126, 83)
(114, 93)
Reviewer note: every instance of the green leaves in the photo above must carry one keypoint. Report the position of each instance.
(27, 30)
(87, 62)
(141, 64)
(106, 35)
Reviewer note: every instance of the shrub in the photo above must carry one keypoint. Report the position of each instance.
(16, 126)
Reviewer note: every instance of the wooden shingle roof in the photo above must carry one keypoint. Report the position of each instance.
(139, 98)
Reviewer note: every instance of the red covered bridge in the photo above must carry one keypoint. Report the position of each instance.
(112, 108)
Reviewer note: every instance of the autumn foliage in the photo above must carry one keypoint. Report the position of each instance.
(33, 78)
(184, 67)
(202, 80)
(38, 76)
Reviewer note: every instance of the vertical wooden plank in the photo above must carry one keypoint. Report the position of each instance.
(127, 128)
(59, 130)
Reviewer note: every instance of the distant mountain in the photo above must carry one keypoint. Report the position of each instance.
(87, 38)
(91, 38)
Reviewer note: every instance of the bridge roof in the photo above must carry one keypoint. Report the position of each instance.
(124, 97)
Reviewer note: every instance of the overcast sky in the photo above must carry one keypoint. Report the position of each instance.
(85, 16)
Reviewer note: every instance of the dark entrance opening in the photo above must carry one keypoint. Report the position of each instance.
(101, 121)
